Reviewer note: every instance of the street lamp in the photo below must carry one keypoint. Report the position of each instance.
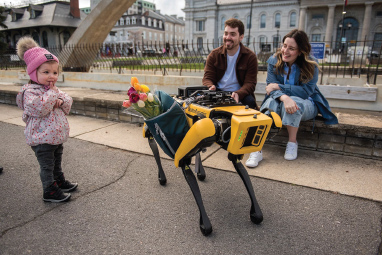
(250, 24)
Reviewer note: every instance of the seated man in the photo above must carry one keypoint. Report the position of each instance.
(233, 67)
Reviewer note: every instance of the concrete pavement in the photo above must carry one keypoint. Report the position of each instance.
(120, 208)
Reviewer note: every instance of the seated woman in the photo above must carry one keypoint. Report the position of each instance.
(292, 90)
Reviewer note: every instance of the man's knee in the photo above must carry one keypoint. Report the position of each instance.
(250, 101)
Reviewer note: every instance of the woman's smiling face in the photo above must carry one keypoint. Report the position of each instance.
(289, 51)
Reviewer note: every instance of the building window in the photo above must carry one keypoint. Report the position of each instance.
(248, 21)
(44, 39)
(263, 21)
(316, 37)
(200, 43)
(121, 22)
(133, 20)
(318, 16)
(200, 25)
(66, 35)
(143, 21)
(160, 24)
(149, 22)
(36, 37)
(150, 36)
(222, 23)
(276, 41)
(155, 23)
(127, 21)
(292, 21)
(277, 20)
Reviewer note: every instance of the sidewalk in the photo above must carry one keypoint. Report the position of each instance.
(331, 172)
(120, 208)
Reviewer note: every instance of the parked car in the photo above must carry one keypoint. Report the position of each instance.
(373, 58)
(151, 53)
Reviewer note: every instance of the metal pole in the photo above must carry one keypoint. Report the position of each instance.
(250, 24)
(343, 23)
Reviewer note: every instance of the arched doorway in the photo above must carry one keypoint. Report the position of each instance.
(349, 28)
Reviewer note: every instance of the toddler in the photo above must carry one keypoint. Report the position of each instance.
(45, 107)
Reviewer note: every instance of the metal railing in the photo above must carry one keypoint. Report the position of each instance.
(353, 59)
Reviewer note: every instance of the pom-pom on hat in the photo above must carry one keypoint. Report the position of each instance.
(34, 58)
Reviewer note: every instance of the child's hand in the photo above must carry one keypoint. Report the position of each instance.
(58, 103)
(53, 86)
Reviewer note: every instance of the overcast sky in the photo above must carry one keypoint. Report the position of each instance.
(168, 7)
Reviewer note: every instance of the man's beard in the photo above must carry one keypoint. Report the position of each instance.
(229, 46)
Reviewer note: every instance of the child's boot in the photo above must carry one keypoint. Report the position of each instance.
(54, 194)
(65, 185)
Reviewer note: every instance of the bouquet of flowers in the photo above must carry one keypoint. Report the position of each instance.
(144, 102)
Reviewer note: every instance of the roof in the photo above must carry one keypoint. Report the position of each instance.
(154, 15)
(53, 14)
(174, 20)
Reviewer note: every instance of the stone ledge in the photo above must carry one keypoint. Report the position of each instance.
(348, 137)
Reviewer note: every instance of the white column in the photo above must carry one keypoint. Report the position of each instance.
(329, 24)
(301, 23)
(366, 20)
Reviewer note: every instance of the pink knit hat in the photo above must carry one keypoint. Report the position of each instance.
(34, 58)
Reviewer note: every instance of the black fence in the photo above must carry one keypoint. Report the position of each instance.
(351, 59)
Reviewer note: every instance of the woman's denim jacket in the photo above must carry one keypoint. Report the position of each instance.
(302, 90)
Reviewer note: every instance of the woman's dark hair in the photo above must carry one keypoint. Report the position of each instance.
(303, 61)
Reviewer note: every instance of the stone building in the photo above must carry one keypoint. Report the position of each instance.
(323, 21)
(50, 23)
(142, 23)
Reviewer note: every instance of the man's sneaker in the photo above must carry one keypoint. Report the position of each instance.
(65, 185)
(254, 159)
(55, 195)
(291, 151)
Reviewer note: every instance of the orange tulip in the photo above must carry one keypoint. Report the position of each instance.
(133, 81)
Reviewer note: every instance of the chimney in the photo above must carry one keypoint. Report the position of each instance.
(75, 9)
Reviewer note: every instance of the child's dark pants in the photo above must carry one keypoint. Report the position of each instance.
(49, 157)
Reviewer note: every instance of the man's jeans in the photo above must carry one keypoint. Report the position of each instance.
(308, 110)
(250, 101)
(49, 157)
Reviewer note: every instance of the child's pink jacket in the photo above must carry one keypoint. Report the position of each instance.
(44, 124)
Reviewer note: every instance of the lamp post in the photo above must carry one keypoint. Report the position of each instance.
(250, 24)
(342, 27)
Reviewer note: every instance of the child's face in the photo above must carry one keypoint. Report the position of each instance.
(47, 72)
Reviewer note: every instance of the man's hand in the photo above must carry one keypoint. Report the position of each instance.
(271, 87)
(235, 96)
(212, 88)
(289, 104)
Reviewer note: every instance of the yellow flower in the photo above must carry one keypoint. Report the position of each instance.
(144, 88)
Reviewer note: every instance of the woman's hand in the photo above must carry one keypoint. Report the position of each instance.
(289, 104)
(271, 87)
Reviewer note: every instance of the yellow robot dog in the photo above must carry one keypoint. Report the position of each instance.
(214, 117)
